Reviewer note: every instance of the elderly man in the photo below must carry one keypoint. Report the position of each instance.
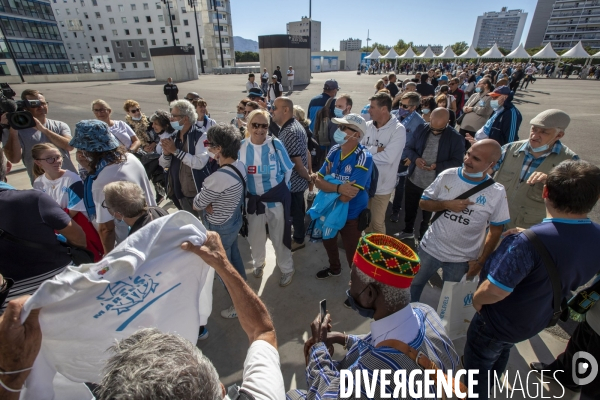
(515, 300)
(343, 106)
(187, 156)
(293, 136)
(385, 139)
(152, 364)
(466, 201)
(432, 149)
(379, 290)
(18, 144)
(413, 122)
(503, 125)
(351, 163)
(524, 165)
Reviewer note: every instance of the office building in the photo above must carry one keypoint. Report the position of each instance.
(539, 23)
(113, 35)
(504, 28)
(300, 28)
(350, 44)
(572, 21)
(437, 48)
(30, 29)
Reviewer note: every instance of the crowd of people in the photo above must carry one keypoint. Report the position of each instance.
(445, 142)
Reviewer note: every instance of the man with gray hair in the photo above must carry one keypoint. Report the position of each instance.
(525, 164)
(186, 157)
(382, 273)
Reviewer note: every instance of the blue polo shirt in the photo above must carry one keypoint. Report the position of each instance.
(356, 166)
(517, 267)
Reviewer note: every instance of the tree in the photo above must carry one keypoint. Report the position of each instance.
(246, 56)
(402, 46)
(459, 47)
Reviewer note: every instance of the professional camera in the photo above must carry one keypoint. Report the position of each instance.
(18, 117)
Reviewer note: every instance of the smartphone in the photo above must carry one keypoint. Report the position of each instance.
(323, 309)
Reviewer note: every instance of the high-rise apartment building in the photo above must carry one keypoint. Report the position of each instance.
(30, 29)
(300, 28)
(571, 21)
(539, 23)
(504, 28)
(117, 35)
(350, 44)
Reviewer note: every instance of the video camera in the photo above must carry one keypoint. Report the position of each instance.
(18, 117)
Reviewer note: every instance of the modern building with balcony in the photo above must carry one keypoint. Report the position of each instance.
(116, 36)
(301, 28)
(30, 29)
(504, 28)
(571, 22)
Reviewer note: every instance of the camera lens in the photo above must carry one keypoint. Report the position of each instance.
(21, 120)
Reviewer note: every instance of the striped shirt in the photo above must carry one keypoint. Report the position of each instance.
(293, 136)
(266, 165)
(223, 191)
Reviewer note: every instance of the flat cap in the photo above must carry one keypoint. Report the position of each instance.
(552, 118)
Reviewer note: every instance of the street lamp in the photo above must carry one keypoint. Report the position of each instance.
(167, 3)
(219, 30)
(193, 3)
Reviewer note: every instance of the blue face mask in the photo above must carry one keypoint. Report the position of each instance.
(339, 137)
(240, 116)
(478, 89)
(402, 112)
(494, 104)
(425, 110)
(363, 312)
(339, 113)
(176, 125)
(539, 149)
(473, 175)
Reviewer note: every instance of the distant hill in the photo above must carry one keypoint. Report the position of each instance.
(241, 44)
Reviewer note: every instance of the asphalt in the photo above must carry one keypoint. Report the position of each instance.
(295, 306)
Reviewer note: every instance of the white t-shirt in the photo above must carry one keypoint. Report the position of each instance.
(290, 74)
(123, 133)
(131, 171)
(457, 237)
(67, 190)
(262, 372)
(251, 85)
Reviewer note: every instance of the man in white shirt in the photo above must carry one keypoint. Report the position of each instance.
(264, 81)
(290, 76)
(251, 84)
(385, 140)
(453, 241)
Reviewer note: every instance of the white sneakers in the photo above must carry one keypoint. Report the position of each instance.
(229, 313)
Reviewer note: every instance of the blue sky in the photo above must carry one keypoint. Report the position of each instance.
(430, 22)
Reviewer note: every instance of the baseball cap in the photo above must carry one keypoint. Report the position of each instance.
(552, 118)
(93, 136)
(500, 91)
(352, 119)
(255, 92)
(443, 78)
(331, 84)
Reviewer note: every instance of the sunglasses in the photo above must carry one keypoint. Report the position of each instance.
(257, 126)
(343, 128)
(405, 106)
(99, 110)
(134, 110)
(50, 160)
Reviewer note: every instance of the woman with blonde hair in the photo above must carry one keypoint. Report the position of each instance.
(140, 125)
(66, 189)
(379, 85)
(120, 130)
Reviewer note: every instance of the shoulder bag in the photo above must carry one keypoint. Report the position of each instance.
(244, 228)
(487, 183)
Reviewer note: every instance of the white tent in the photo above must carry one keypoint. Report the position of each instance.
(493, 53)
(470, 53)
(576, 52)
(447, 53)
(546, 52)
(408, 54)
(428, 53)
(374, 55)
(519, 52)
(390, 55)
(597, 55)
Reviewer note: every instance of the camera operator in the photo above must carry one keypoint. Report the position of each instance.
(19, 143)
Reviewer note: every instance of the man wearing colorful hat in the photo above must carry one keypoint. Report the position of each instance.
(382, 272)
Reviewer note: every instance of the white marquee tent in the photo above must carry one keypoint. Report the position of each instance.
(408, 54)
(519, 52)
(493, 53)
(390, 55)
(469, 53)
(374, 55)
(576, 52)
(597, 55)
(546, 52)
(428, 53)
(447, 53)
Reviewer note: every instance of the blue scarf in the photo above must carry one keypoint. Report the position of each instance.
(5, 186)
(88, 199)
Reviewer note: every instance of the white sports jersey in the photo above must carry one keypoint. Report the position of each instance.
(458, 237)
(146, 281)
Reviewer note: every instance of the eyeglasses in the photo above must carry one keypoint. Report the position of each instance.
(50, 160)
(405, 106)
(343, 128)
(190, 100)
(241, 109)
(100, 110)
(104, 205)
(177, 116)
(257, 126)
(135, 110)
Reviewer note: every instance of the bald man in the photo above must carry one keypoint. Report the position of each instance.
(454, 240)
(431, 149)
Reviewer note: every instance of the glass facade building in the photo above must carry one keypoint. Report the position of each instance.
(572, 21)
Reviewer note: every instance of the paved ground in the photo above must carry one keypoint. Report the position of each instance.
(294, 307)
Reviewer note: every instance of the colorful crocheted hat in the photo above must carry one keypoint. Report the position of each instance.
(387, 260)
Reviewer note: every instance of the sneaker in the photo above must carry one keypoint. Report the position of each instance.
(404, 235)
(203, 334)
(326, 273)
(286, 279)
(297, 246)
(395, 217)
(258, 271)
(229, 313)
(347, 304)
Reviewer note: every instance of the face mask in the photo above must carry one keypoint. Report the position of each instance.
(339, 113)
(539, 149)
(176, 125)
(402, 112)
(473, 175)
(136, 118)
(339, 137)
(240, 116)
(478, 89)
(425, 110)
(363, 312)
(211, 155)
(494, 104)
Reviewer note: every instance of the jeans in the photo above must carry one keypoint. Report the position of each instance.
(452, 272)
(229, 237)
(298, 212)
(350, 237)
(399, 193)
(485, 353)
(412, 196)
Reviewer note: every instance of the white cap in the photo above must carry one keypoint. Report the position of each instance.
(354, 120)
